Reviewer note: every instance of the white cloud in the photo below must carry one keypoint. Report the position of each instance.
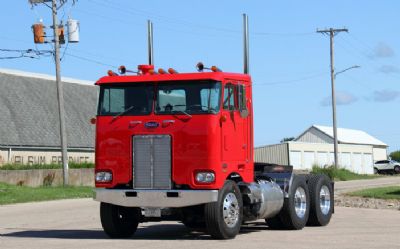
(385, 95)
(342, 98)
(382, 50)
(388, 69)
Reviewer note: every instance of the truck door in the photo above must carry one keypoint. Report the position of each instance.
(245, 119)
(232, 127)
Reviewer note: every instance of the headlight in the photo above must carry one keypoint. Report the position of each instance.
(103, 176)
(205, 177)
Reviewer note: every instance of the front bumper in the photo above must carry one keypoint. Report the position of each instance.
(155, 198)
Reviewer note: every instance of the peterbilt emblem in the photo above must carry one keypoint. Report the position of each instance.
(151, 124)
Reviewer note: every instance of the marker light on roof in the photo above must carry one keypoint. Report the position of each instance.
(111, 73)
(215, 69)
(172, 71)
(161, 71)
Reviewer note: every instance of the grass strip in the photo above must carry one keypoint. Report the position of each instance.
(392, 192)
(341, 174)
(10, 194)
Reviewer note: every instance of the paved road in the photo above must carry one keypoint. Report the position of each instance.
(75, 224)
(346, 186)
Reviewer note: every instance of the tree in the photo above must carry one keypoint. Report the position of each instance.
(287, 139)
(395, 155)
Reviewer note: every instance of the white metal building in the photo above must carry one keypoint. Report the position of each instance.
(357, 150)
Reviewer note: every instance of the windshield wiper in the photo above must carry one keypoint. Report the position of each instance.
(183, 112)
(123, 112)
(209, 109)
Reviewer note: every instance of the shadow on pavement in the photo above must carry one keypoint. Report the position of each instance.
(152, 232)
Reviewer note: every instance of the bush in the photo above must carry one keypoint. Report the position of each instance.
(395, 155)
(340, 174)
(71, 165)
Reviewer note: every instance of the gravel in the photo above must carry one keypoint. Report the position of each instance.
(359, 202)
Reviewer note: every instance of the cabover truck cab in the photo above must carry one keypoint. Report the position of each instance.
(179, 146)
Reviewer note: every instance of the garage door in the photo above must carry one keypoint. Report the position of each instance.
(295, 159)
(331, 159)
(345, 160)
(368, 164)
(309, 159)
(322, 158)
(357, 162)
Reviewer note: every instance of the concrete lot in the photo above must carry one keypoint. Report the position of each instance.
(75, 224)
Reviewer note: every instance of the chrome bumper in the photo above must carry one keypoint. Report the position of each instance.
(155, 198)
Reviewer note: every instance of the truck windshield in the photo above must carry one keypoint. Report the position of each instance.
(126, 100)
(188, 97)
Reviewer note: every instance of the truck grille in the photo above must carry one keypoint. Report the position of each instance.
(152, 162)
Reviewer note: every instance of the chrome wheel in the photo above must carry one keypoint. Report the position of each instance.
(230, 210)
(300, 202)
(325, 199)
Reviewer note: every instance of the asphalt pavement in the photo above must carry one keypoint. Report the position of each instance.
(76, 224)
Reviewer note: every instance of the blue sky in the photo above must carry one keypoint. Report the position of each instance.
(289, 61)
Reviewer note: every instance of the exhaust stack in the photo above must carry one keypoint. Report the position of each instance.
(150, 41)
(245, 44)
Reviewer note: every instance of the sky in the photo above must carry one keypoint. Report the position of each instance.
(289, 60)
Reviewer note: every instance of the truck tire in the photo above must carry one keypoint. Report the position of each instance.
(193, 217)
(296, 207)
(274, 223)
(118, 221)
(224, 217)
(321, 200)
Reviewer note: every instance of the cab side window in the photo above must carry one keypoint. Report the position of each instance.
(242, 101)
(229, 97)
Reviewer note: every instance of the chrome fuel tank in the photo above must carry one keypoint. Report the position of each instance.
(261, 199)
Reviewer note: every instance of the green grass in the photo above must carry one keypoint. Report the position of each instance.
(341, 174)
(18, 194)
(45, 166)
(392, 192)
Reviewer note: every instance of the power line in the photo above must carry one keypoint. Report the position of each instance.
(135, 12)
(284, 82)
(25, 53)
(91, 60)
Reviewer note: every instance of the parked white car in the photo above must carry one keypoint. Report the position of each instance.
(390, 166)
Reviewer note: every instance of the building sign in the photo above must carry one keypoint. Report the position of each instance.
(43, 157)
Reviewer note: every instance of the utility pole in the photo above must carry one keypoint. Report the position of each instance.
(60, 96)
(73, 37)
(332, 32)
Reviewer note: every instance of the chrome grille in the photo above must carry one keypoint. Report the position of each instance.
(152, 162)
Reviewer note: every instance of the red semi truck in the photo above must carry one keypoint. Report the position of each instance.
(179, 146)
